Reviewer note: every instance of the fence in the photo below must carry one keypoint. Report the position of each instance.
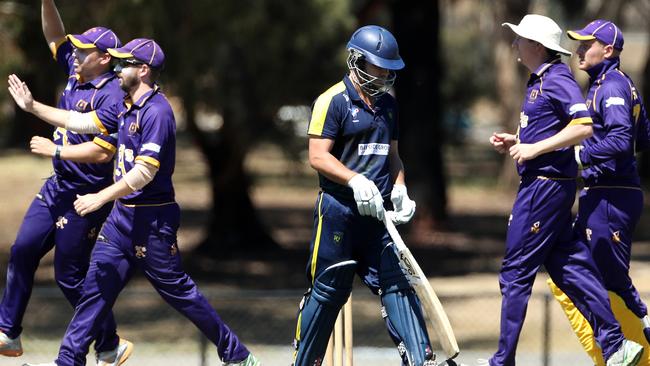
(265, 321)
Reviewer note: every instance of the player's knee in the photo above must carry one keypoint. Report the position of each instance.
(319, 309)
(391, 275)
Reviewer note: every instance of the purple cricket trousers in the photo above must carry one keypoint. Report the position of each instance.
(539, 233)
(51, 222)
(606, 220)
(142, 237)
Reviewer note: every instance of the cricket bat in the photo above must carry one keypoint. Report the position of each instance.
(430, 303)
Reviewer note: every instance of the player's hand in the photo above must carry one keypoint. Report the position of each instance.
(21, 94)
(502, 141)
(403, 205)
(369, 200)
(522, 152)
(87, 203)
(42, 146)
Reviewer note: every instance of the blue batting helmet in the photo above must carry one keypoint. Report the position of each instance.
(378, 47)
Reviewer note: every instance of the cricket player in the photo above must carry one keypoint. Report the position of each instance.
(140, 232)
(611, 201)
(554, 117)
(353, 136)
(51, 221)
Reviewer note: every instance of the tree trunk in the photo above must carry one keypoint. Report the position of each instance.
(416, 26)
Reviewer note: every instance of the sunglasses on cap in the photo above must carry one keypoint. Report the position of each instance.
(124, 63)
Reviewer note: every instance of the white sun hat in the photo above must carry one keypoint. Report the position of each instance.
(540, 29)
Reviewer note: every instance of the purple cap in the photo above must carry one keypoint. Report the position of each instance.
(100, 37)
(142, 49)
(602, 30)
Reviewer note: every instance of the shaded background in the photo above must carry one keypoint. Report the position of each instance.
(241, 76)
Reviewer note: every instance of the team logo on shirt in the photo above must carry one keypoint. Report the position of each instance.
(60, 222)
(133, 128)
(535, 228)
(373, 149)
(338, 237)
(354, 111)
(81, 105)
(140, 251)
(616, 236)
(533, 95)
(523, 120)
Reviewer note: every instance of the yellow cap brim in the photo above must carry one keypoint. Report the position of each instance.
(115, 53)
(77, 43)
(578, 37)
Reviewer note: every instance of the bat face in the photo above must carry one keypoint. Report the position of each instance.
(431, 305)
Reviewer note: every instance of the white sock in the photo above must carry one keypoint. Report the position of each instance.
(646, 321)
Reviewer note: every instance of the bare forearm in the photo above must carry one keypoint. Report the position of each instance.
(54, 116)
(53, 28)
(569, 136)
(332, 168)
(115, 191)
(85, 154)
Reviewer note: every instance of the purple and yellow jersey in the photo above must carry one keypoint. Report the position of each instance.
(84, 97)
(617, 111)
(362, 136)
(553, 101)
(146, 132)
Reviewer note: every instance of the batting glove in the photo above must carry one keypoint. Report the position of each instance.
(404, 206)
(369, 200)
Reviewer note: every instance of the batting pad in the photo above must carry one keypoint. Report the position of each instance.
(630, 324)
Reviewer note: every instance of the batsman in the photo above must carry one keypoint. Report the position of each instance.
(353, 136)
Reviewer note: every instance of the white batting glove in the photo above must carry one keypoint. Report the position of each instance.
(369, 200)
(404, 206)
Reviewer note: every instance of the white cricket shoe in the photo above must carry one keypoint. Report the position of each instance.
(117, 356)
(628, 354)
(10, 347)
(249, 361)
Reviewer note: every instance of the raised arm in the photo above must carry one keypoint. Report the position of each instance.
(53, 28)
(74, 121)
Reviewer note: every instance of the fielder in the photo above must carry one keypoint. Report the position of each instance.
(353, 136)
(612, 200)
(553, 118)
(140, 231)
(51, 221)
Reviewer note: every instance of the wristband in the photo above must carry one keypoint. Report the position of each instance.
(57, 152)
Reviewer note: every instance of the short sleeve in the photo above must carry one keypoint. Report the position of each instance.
(107, 118)
(108, 142)
(157, 128)
(326, 114)
(566, 98)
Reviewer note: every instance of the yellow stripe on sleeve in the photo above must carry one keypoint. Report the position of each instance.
(149, 160)
(99, 123)
(320, 109)
(105, 144)
(581, 121)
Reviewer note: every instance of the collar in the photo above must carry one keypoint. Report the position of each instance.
(545, 66)
(352, 92)
(596, 72)
(143, 99)
(101, 80)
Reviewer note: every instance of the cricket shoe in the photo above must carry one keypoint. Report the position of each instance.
(628, 354)
(248, 361)
(117, 356)
(10, 347)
